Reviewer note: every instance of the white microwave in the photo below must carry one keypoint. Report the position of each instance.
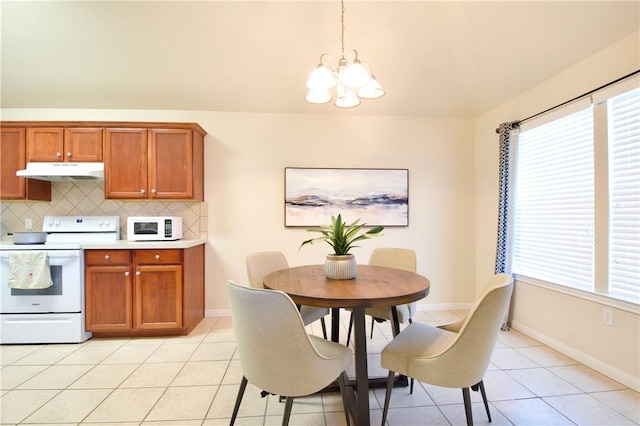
(154, 228)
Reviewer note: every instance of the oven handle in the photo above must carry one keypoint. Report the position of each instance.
(50, 253)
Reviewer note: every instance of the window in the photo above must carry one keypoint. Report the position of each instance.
(577, 202)
(624, 160)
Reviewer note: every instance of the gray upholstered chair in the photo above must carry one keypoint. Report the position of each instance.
(276, 353)
(261, 264)
(453, 356)
(400, 258)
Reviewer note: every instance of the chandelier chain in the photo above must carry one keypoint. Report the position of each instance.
(342, 22)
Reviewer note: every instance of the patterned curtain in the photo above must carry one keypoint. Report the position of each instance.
(508, 133)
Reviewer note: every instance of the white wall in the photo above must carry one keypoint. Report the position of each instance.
(570, 324)
(245, 157)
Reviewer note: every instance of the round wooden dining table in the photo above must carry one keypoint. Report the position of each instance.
(373, 287)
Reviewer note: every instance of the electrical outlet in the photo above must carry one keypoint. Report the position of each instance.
(28, 223)
(607, 316)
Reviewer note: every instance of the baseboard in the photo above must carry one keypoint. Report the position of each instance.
(210, 313)
(601, 367)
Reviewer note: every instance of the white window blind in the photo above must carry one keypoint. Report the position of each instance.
(624, 184)
(554, 221)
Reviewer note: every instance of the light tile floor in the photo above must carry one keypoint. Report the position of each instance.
(193, 380)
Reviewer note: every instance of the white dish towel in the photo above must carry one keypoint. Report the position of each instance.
(29, 270)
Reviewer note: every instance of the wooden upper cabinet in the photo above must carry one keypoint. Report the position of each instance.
(12, 159)
(52, 144)
(83, 144)
(163, 164)
(126, 158)
(171, 164)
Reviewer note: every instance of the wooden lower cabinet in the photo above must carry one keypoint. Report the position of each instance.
(144, 292)
(158, 296)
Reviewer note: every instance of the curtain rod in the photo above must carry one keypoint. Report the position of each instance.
(518, 122)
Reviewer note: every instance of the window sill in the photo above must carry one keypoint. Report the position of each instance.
(602, 299)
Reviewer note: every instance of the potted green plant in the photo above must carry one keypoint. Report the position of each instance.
(341, 237)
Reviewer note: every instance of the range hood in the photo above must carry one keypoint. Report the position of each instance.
(63, 171)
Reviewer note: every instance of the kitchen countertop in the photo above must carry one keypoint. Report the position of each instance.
(132, 245)
(128, 245)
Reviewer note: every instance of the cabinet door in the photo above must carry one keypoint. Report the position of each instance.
(45, 144)
(108, 298)
(125, 163)
(83, 144)
(13, 158)
(171, 163)
(158, 297)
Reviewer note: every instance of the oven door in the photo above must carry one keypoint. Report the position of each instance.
(64, 296)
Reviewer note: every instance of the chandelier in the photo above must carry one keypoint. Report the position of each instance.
(352, 79)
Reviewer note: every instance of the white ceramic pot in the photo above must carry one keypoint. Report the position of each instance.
(340, 267)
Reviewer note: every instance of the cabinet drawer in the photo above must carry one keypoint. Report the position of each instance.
(107, 257)
(158, 256)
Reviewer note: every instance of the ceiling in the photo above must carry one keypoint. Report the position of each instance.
(446, 58)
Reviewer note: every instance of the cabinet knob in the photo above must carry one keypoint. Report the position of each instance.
(68, 154)
(58, 154)
(157, 256)
(142, 191)
(126, 274)
(137, 272)
(153, 191)
(106, 257)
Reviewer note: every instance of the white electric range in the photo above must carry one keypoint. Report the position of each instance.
(55, 314)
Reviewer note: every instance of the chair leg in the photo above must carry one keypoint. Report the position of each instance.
(372, 324)
(467, 406)
(287, 411)
(349, 329)
(324, 328)
(236, 408)
(411, 386)
(480, 385)
(343, 392)
(387, 397)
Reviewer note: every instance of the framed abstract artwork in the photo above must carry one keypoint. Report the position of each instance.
(375, 196)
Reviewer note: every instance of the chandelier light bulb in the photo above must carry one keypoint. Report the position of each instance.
(354, 75)
(321, 78)
(318, 96)
(372, 90)
(346, 98)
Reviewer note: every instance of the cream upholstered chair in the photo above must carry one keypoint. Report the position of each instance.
(276, 353)
(454, 356)
(400, 258)
(263, 263)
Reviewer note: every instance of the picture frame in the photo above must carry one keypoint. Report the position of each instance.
(374, 196)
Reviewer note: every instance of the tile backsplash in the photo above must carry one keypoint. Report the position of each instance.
(87, 199)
